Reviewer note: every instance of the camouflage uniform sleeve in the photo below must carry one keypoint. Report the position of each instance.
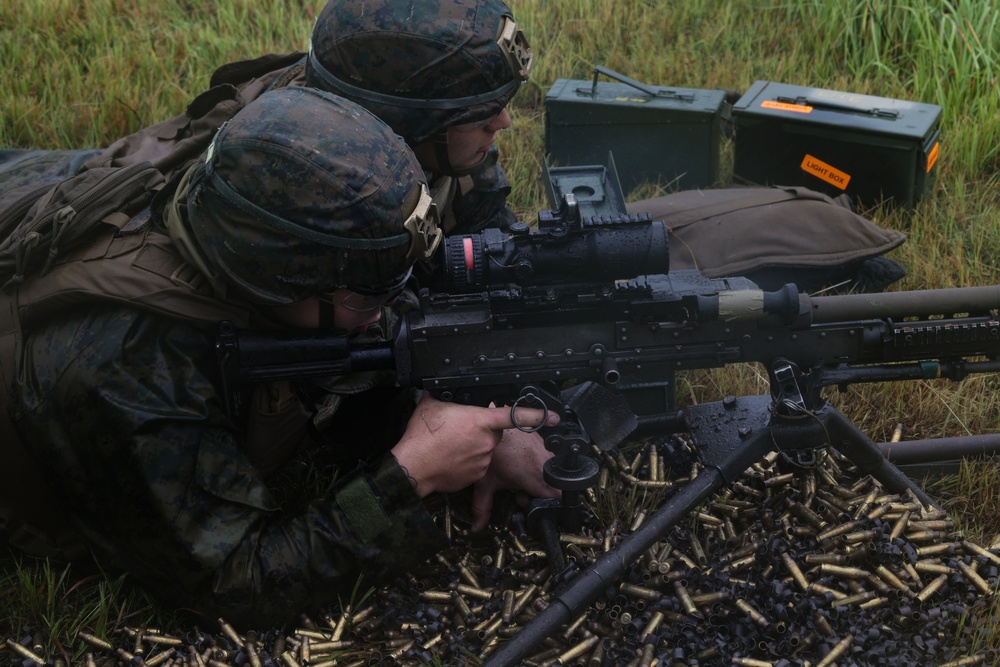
(485, 204)
(124, 418)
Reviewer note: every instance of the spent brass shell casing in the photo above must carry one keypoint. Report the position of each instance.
(900, 526)
(751, 662)
(937, 549)
(728, 529)
(837, 531)
(338, 627)
(913, 574)
(882, 587)
(821, 589)
(321, 648)
(857, 598)
(646, 657)
(251, 651)
(872, 604)
(463, 607)
(806, 514)
(707, 599)
(747, 490)
(697, 549)
(932, 568)
(640, 591)
(842, 571)
(579, 540)
(889, 577)
(932, 588)
(879, 511)
(973, 548)
(866, 504)
(654, 622)
(974, 578)
(574, 626)
(820, 559)
(163, 640)
(754, 615)
(654, 465)
(860, 536)
(159, 658)
(970, 661)
(24, 652)
(507, 610)
(822, 624)
(740, 564)
(926, 535)
(779, 480)
(305, 651)
(793, 568)
(936, 524)
(579, 649)
(230, 633)
(686, 602)
(526, 597)
(95, 641)
(474, 592)
(636, 462)
(596, 658)
(467, 574)
(435, 596)
(837, 651)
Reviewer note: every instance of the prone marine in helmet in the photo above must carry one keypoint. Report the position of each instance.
(301, 213)
(439, 73)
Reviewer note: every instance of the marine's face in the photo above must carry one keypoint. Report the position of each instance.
(467, 144)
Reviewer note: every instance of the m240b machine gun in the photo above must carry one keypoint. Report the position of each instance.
(516, 318)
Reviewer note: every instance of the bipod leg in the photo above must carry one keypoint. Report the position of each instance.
(867, 456)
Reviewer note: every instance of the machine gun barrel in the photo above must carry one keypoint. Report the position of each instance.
(916, 303)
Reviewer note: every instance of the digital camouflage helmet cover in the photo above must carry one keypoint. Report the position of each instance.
(422, 66)
(302, 193)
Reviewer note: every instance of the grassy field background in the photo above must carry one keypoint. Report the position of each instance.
(83, 73)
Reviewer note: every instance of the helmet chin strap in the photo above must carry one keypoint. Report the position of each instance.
(444, 166)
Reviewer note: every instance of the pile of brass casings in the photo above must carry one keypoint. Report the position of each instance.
(789, 567)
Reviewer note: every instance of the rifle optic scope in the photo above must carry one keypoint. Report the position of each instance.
(593, 249)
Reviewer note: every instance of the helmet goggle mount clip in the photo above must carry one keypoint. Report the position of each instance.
(515, 48)
(424, 226)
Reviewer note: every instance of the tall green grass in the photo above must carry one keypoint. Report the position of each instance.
(81, 73)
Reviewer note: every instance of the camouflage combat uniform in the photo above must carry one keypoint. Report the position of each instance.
(120, 407)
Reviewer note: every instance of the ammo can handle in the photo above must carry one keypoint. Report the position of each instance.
(598, 70)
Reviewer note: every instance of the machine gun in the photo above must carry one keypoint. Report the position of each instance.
(495, 328)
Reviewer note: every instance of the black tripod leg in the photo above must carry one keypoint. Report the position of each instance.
(606, 571)
(866, 455)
